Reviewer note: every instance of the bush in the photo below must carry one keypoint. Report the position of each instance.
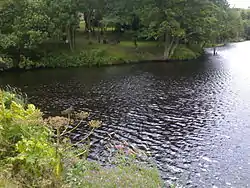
(196, 48)
(94, 57)
(27, 63)
(27, 155)
(184, 53)
(6, 63)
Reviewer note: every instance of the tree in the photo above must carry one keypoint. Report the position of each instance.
(123, 15)
(27, 24)
(64, 16)
(245, 14)
(176, 21)
(24, 26)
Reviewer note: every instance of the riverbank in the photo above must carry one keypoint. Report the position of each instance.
(96, 54)
(36, 152)
(112, 49)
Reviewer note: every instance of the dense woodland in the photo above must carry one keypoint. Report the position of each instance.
(29, 29)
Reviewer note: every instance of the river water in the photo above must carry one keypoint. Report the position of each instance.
(193, 117)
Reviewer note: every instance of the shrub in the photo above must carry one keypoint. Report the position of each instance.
(94, 57)
(27, 63)
(27, 153)
(184, 53)
(6, 63)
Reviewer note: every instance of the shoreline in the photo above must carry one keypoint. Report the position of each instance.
(100, 55)
(114, 63)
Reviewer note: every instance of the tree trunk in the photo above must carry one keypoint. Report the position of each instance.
(17, 58)
(89, 28)
(69, 31)
(86, 21)
(135, 43)
(99, 34)
(166, 50)
(74, 37)
(176, 43)
(203, 44)
(167, 46)
(135, 40)
(215, 51)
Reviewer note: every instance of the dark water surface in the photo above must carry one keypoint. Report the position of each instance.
(194, 117)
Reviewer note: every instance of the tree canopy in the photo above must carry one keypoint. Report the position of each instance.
(27, 24)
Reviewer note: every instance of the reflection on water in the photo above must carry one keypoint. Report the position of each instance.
(193, 117)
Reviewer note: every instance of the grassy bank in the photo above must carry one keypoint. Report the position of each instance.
(96, 54)
(35, 152)
(89, 52)
(215, 45)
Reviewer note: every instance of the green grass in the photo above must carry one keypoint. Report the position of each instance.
(130, 44)
(108, 54)
(92, 175)
(184, 53)
(131, 175)
(4, 183)
(82, 26)
(126, 51)
(215, 45)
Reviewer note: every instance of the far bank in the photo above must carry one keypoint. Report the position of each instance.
(99, 54)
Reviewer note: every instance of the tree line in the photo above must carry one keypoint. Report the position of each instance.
(245, 16)
(26, 25)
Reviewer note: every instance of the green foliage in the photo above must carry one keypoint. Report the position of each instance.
(27, 26)
(13, 94)
(24, 24)
(126, 174)
(184, 53)
(6, 62)
(245, 15)
(26, 151)
(26, 63)
(94, 57)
